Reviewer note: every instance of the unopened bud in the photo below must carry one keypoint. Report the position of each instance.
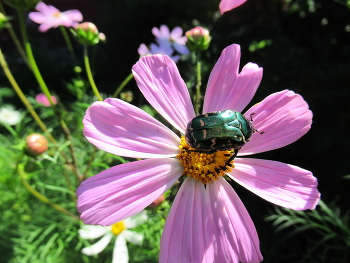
(127, 96)
(22, 4)
(36, 144)
(86, 33)
(198, 39)
(158, 201)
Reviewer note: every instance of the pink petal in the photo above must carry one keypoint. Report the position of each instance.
(235, 235)
(187, 234)
(283, 117)
(227, 5)
(143, 50)
(176, 33)
(120, 128)
(45, 9)
(279, 183)
(37, 17)
(162, 33)
(46, 26)
(160, 82)
(125, 190)
(74, 15)
(228, 90)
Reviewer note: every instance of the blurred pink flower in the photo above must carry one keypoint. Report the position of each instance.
(207, 223)
(173, 38)
(42, 99)
(227, 5)
(49, 16)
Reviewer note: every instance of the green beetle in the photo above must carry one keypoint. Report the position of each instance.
(219, 131)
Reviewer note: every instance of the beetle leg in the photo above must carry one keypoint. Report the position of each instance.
(251, 116)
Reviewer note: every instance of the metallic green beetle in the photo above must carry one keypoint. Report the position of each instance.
(219, 131)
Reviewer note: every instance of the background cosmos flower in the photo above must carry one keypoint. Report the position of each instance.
(9, 116)
(174, 38)
(49, 16)
(122, 233)
(205, 224)
(42, 99)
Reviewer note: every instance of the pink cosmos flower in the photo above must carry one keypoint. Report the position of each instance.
(42, 99)
(227, 5)
(207, 222)
(173, 38)
(49, 16)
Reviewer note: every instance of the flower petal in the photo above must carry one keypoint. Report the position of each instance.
(136, 220)
(227, 5)
(120, 128)
(182, 49)
(133, 237)
(279, 183)
(228, 90)
(235, 235)
(160, 82)
(176, 33)
(99, 246)
(92, 232)
(74, 15)
(125, 190)
(283, 117)
(187, 232)
(37, 17)
(120, 251)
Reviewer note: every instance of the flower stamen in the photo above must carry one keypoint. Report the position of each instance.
(117, 228)
(204, 166)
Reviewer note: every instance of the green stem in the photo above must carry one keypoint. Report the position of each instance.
(122, 85)
(15, 39)
(45, 90)
(198, 96)
(69, 44)
(23, 97)
(30, 55)
(23, 176)
(29, 107)
(89, 74)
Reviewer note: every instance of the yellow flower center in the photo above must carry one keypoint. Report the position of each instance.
(204, 166)
(117, 228)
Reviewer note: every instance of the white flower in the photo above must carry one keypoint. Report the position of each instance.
(120, 230)
(9, 116)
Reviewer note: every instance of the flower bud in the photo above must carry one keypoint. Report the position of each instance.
(158, 201)
(22, 4)
(86, 33)
(198, 39)
(36, 144)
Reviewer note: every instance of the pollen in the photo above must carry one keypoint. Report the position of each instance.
(117, 228)
(204, 166)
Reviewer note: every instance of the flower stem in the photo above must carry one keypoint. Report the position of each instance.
(29, 106)
(89, 74)
(198, 96)
(45, 90)
(32, 62)
(122, 85)
(15, 39)
(23, 97)
(23, 176)
(69, 44)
